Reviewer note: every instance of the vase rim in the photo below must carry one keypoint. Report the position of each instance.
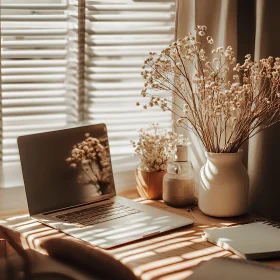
(239, 153)
(150, 171)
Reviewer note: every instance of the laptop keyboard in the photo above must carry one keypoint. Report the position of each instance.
(98, 214)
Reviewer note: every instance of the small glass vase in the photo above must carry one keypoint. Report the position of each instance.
(178, 184)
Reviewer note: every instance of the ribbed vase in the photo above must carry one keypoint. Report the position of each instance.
(224, 185)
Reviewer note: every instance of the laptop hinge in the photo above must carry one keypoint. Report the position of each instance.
(75, 206)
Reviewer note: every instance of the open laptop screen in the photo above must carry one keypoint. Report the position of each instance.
(66, 168)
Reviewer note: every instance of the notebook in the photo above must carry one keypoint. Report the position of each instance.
(256, 240)
(230, 269)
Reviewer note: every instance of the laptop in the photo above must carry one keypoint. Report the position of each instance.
(69, 186)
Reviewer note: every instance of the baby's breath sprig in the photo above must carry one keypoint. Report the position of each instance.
(223, 113)
(156, 146)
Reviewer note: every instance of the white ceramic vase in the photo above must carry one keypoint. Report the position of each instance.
(224, 185)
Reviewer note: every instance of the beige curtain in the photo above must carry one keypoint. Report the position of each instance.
(249, 26)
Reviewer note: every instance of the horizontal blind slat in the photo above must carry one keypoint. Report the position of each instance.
(101, 70)
(34, 43)
(36, 6)
(34, 62)
(131, 17)
(114, 41)
(30, 94)
(32, 126)
(34, 110)
(132, 7)
(33, 86)
(114, 76)
(32, 18)
(33, 78)
(122, 61)
(39, 118)
(33, 53)
(35, 70)
(34, 32)
(33, 101)
(114, 85)
(137, 29)
(39, 24)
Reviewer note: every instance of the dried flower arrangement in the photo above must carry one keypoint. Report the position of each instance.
(91, 157)
(156, 147)
(222, 113)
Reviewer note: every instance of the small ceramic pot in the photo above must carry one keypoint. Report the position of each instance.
(224, 185)
(149, 183)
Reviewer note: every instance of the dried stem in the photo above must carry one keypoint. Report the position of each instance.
(222, 113)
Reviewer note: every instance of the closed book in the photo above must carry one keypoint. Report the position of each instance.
(256, 240)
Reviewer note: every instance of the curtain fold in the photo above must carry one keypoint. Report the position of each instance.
(249, 27)
(264, 149)
(220, 18)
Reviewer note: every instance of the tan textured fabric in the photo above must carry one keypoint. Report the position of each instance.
(264, 148)
(230, 23)
(219, 16)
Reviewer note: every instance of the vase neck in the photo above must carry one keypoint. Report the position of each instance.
(224, 158)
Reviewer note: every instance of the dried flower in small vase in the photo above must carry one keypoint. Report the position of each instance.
(155, 147)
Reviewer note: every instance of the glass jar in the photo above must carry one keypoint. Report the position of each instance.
(178, 184)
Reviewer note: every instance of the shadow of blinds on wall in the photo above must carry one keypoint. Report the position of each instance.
(119, 36)
(39, 61)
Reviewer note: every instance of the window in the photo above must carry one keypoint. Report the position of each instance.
(41, 66)
(38, 71)
(119, 36)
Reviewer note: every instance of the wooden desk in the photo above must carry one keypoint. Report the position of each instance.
(172, 255)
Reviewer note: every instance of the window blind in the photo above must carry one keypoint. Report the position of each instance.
(40, 88)
(119, 36)
(38, 69)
